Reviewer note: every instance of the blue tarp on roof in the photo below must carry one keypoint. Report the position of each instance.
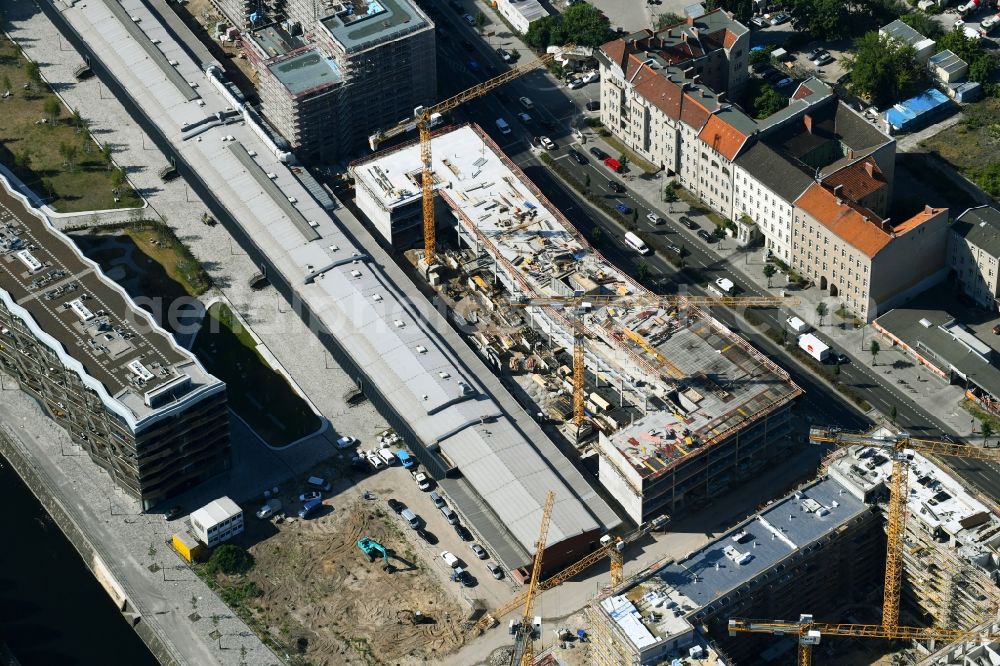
(917, 111)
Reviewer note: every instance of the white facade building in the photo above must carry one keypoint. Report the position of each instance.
(521, 13)
(217, 521)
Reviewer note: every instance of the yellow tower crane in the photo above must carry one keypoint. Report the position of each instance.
(612, 547)
(896, 520)
(576, 303)
(809, 633)
(422, 122)
(524, 646)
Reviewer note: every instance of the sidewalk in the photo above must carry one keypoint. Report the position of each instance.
(894, 369)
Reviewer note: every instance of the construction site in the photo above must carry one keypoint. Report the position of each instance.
(822, 552)
(651, 383)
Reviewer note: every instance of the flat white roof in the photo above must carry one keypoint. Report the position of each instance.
(216, 512)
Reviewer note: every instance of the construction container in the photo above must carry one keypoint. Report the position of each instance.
(187, 546)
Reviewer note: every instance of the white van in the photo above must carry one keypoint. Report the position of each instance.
(636, 243)
(725, 285)
(797, 324)
(319, 483)
(503, 126)
(387, 456)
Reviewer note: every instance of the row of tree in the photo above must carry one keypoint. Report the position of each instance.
(580, 24)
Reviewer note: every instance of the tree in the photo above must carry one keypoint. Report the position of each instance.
(22, 159)
(923, 23)
(769, 271)
(230, 559)
(623, 160)
(769, 101)
(642, 271)
(821, 311)
(874, 348)
(6, 83)
(981, 68)
(595, 235)
(586, 181)
(987, 431)
(882, 68)
(667, 20)
(49, 188)
(585, 25)
(31, 70)
(670, 196)
(117, 178)
(52, 108)
(893, 413)
(824, 19)
(960, 44)
(106, 155)
(480, 20)
(69, 152)
(836, 373)
(760, 55)
(580, 24)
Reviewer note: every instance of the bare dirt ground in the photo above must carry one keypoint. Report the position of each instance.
(201, 16)
(320, 587)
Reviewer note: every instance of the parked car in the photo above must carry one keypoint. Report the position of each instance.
(593, 105)
(479, 551)
(815, 53)
(779, 18)
(427, 536)
(468, 18)
(526, 103)
(463, 533)
(598, 153)
(495, 570)
(688, 222)
(824, 59)
(704, 235)
(573, 84)
(524, 118)
(622, 208)
(676, 249)
(577, 156)
(346, 442)
(655, 219)
(449, 558)
(396, 505)
(760, 66)
(374, 460)
(841, 358)
(759, 21)
(423, 483)
(310, 496)
(615, 186)
(271, 507)
(437, 499)
(547, 143)
(309, 508)
(504, 55)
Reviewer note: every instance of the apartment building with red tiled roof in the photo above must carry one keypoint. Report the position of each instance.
(871, 263)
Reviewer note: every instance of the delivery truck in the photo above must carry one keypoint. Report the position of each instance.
(815, 347)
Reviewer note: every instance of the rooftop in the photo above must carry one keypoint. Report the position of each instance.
(360, 24)
(306, 71)
(531, 10)
(980, 226)
(275, 40)
(938, 337)
(779, 174)
(216, 511)
(904, 33)
(699, 376)
(936, 498)
(947, 61)
(677, 592)
(99, 333)
(857, 181)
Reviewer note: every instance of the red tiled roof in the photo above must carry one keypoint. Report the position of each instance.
(845, 219)
(730, 39)
(856, 181)
(909, 225)
(802, 91)
(693, 113)
(723, 137)
(661, 92)
(616, 51)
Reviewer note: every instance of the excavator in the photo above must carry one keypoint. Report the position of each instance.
(373, 549)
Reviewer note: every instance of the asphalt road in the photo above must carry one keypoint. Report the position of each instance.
(561, 108)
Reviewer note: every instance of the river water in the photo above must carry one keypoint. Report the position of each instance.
(52, 610)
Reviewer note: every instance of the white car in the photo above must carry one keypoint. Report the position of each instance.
(375, 461)
(422, 481)
(346, 442)
(547, 143)
(573, 84)
(449, 559)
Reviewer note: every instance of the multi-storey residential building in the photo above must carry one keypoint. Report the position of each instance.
(339, 72)
(142, 407)
(974, 253)
(869, 262)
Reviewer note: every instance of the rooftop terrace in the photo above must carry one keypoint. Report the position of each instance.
(359, 24)
(306, 71)
(67, 301)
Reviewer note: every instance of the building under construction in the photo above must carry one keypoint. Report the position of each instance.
(683, 406)
(820, 545)
(950, 558)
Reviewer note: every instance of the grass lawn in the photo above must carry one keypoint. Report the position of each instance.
(162, 246)
(973, 145)
(34, 151)
(258, 394)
